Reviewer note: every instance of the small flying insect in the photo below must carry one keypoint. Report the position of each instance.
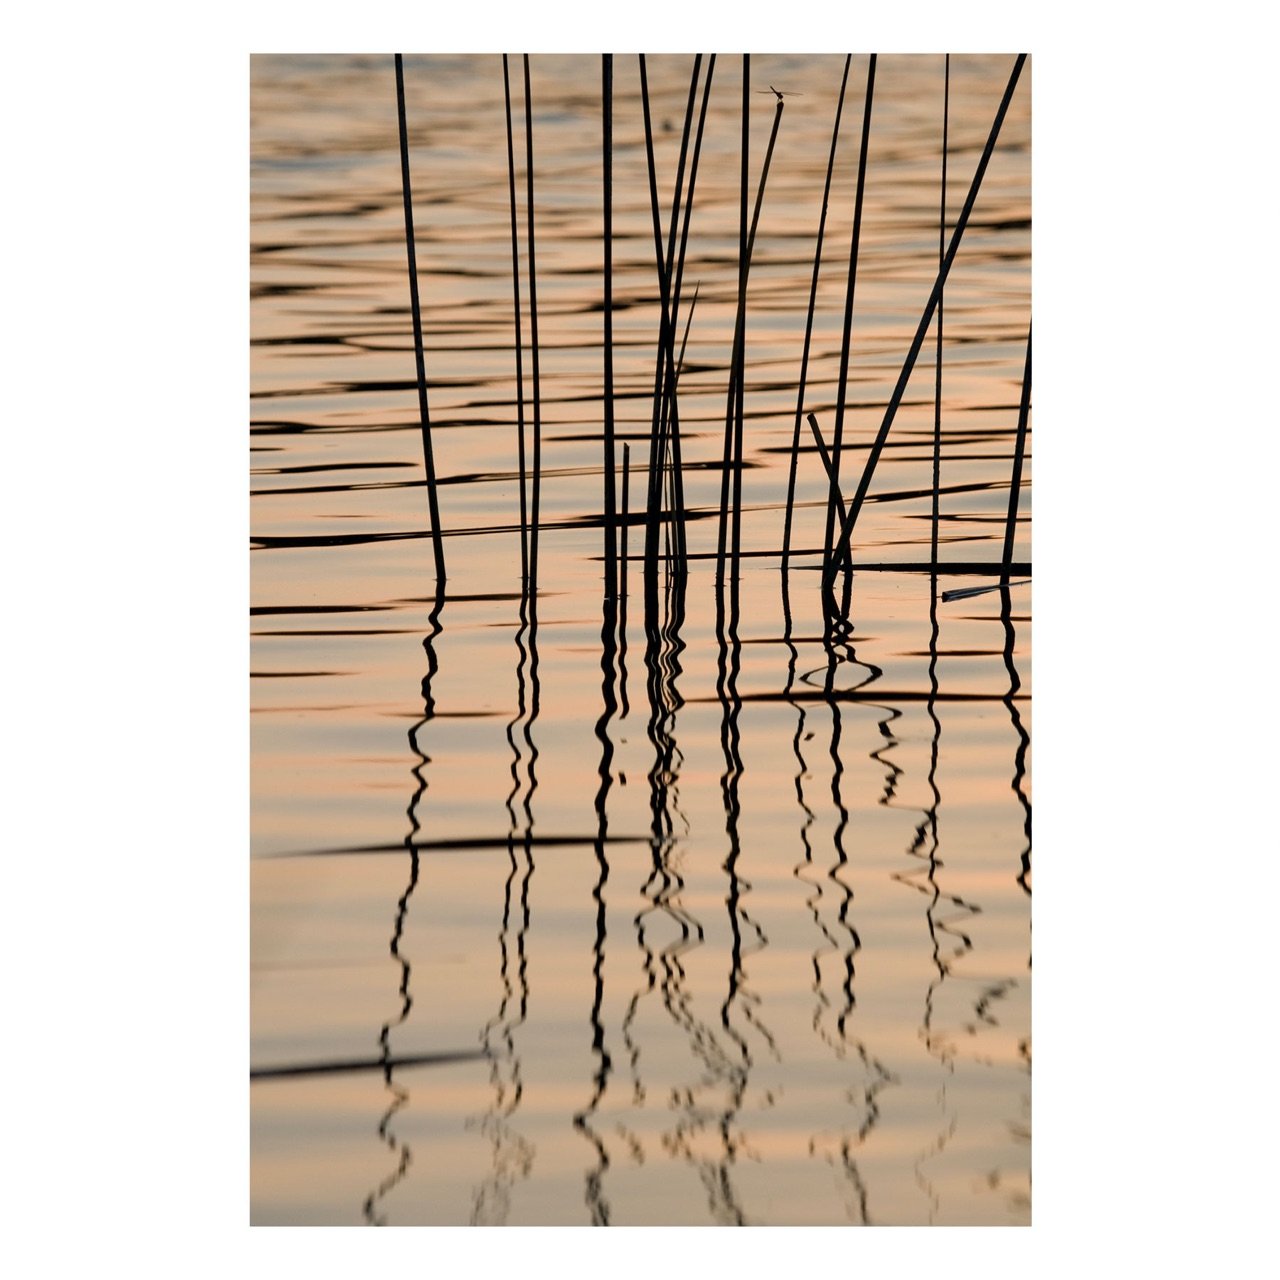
(780, 93)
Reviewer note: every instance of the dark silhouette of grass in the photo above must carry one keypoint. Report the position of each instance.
(515, 284)
(937, 384)
(731, 402)
(610, 521)
(533, 338)
(730, 523)
(833, 483)
(842, 385)
(842, 550)
(423, 413)
(1019, 447)
(664, 371)
(671, 411)
(808, 324)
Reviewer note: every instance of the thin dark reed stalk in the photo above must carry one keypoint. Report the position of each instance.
(1019, 447)
(833, 481)
(675, 201)
(842, 551)
(610, 463)
(808, 324)
(842, 386)
(666, 339)
(740, 390)
(655, 462)
(687, 323)
(533, 338)
(731, 406)
(424, 415)
(515, 284)
(937, 384)
(733, 453)
(693, 182)
(670, 414)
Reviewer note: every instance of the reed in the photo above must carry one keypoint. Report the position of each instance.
(672, 419)
(610, 515)
(842, 550)
(663, 369)
(740, 374)
(670, 414)
(731, 401)
(1020, 442)
(533, 339)
(424, 415)
(842, 386)
(731, 490)
(655, 462)
(808, 323)
(515, 284)
(833, 481)
(937, 384)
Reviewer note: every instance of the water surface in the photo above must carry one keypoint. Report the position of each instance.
(708, 929)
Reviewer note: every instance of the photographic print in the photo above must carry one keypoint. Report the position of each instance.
(640, 455)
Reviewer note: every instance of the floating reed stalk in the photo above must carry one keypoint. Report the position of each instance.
(837, 440)
(808, 324)
(515, 282)
(937, 384)
(841, 551)
(610, 515)
(423, 414)
(1015, 485)
(533, 338)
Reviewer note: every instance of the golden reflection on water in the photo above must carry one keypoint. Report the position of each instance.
(744, 936)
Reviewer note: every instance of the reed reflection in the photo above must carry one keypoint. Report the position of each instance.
(597, 1204)
(663, 885)
(399, 1095)
(512, 1154)
(862, 1097)
(1024, 738)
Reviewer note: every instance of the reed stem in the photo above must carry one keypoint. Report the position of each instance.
(937, 384)
(1024, 407)
(610, 464)
(666, 339)
(670, 415)
(732, 400)
(833, 482)
(842, 387)
(533, 337)
(808, 324)
(842, 551)
(424, 415)
(515, 283)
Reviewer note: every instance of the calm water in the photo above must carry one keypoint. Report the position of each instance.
(741, 935)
